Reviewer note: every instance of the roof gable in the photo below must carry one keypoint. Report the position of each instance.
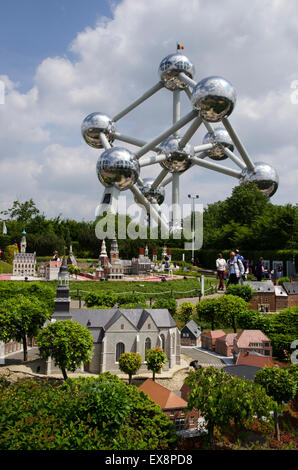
(162, 396)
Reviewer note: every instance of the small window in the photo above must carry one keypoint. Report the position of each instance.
(120, 349)
(149, 326)
(122, 326)
(147, 344)
(191, 421)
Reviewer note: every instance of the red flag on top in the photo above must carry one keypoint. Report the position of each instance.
(179, 47)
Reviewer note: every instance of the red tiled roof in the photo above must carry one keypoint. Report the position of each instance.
(250, 336)
(228, 339)
(162, 396)
(214, 333)
(256, 360)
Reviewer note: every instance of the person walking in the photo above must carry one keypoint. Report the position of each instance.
(221, 266)
(236, 269)
(244, 262)
(260, 269)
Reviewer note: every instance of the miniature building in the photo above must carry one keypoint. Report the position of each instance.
(116, 331)
(252, 340)
(172, 405)
(71, 259)
(191, 334)
(224, 344)
(24, 264)
(113, 268)
(270, 298)
(142, 264)
(209, 337)
(49, 270)
(254, 359)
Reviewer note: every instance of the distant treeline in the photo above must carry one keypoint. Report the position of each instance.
(246, 220)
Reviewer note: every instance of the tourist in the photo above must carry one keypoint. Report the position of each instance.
(236, 269)
(260, 269)
(221, 266)
(245, 265)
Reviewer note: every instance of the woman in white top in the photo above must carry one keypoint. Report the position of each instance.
(221, 266)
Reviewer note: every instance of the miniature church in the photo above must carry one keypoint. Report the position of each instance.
(116, 331)
(109, 268)
(24, 264)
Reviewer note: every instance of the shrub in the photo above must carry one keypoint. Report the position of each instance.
(168, 303)
(130, 363)
(185, 312)
(81, 414)
(245, 292)
(105, 298)
(281, 280)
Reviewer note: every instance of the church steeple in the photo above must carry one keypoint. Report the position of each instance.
(114, 252)
(23, 242)
(62, 299)
(103, 257)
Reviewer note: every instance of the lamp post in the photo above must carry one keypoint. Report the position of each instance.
(193, 197)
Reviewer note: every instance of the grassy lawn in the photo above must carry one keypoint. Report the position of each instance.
(180, 288)
(5, 268)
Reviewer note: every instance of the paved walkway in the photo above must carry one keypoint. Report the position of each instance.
(203, 358)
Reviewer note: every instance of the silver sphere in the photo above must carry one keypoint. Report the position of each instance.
(152, 195)
(220, 138)
(215, 97)
(116, 167)
(95, 123)
(178, 160)
(264, 176)
(171, 66)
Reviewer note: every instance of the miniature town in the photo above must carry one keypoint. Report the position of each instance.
(151, 304)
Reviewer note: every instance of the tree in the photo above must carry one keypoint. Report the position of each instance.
(73, 269)
(207, 310)
(130, 363)
(22, 211)
(222, 398)
(155, 359)
(22, 317)
(230, 308)
(280, 385)
(9, 253)
(185, 312)
(67, 342)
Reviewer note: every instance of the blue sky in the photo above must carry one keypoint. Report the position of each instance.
(62, 60)
(31, 30)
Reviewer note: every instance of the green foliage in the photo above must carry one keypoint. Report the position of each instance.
(281, 345)
(22, 317)
(67, 342)
(254, 320)
(278, 383)
(184, 313)
(168, 303)
(130, 363)
(22, 212)
(5, 268)
(221, 397)
(281, 280)
(82, 414)
(9, 252)
(230, 307)
(73, 269)
(243, 291)
(130, 298)
(40, 291)
(155, 359)
(105, 298)
(207, 310)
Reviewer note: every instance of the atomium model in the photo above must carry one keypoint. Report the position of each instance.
(212, 100)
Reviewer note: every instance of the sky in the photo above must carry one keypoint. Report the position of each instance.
(62, 60)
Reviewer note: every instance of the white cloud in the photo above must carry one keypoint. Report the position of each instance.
(42, 154)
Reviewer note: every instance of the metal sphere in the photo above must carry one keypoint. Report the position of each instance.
(220, 138)
(116, 167)
(95, 123)
(215, 97)
(264, 176)
(178, 160)
(171, 66)
(152, 195)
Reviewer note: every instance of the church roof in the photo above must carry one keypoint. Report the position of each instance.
(104, 318)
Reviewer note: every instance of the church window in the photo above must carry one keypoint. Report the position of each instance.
(120, 349)
(163, 342)
(147, 344)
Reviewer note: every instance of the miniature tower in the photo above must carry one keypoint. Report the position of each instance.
(114, 252)
(103, 257)
(146, 251)
(23, 242)
(62, 299)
